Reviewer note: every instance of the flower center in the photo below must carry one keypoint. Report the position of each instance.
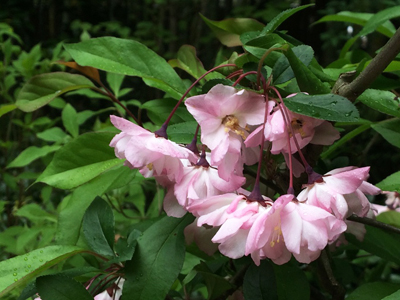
(297, 126)
(276, 235)
(232, 123)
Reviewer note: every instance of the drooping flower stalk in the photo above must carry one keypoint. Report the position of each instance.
(193, 145)
(260, 64)
(243, 76)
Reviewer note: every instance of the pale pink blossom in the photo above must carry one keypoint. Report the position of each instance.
(142, 149)
(328, 191)
(292, 227)
(202, 236)
(224, 114)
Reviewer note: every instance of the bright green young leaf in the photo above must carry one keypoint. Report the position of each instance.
(70, 120)
(72, 213)
(115, 81)
(391, 217)
(61, 287)
(282, 72)
(326, 107)
(390, 130)
(379, 242)
(228, 31)
(128, 57)
(6, 108)
(279, 19)
(98, 227)
(387, 28)
(18, 271)
(291, 282)
(260, 45)
(157, 260)
(373, 291)
(306, 80)
(30, 154)
(260, 282)
(42, 89)
(54, 134)
(35, 213)
(390, 183)
(81, 160)
(383, 101)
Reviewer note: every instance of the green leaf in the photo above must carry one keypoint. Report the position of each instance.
(260, 45)
(98, 227)
(115, 82)
(54, 134)
(386, 28)
(379, 242)
(157, 260)
(394, 296)
(70, 120)
(35, 213)
(71, 215)
(383, 101)
(291, 282)
(280, 18)
(390, 183)
(44, 88)
(128, 57)
(30, 154)
(6, 108)
(182, 133)
(158, 111)
(228, 31)
(391, 217)
(81, 160)
(306, 80)
(326, 107)
(216, 285)
(379, 18)
(260, 282)
(126, 247)
(373, 291)
(61, 287)
(282, 72)
(390, 130)
(18, 271)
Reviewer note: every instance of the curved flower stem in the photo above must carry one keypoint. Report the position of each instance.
(260, 64)
(243, 76)
(378, 64)
(373, 223)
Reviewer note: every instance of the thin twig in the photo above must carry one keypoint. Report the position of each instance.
(374, 223)
(378, 64)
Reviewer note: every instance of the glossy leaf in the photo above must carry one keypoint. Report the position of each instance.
(291, 282)
(158, 111)
(260, 282)
(306, 80)
(35, 213)
(390, 183)
(379, 242)
(70, 120)
(391, 217)
(228, 31)
(81, 160)
(373, 291)
(280, 18)
(30, 154)
(157, 260)
(387, 28)
(394, 296)
(18, 271)
(61, 287)
(326, 107)
(282, 72)
(98, 227)
(128, 57)
(260, 45)
(383, 101)
(54, 134)
(390, 130)
(182, 133)
(74, 209)
(42, 89)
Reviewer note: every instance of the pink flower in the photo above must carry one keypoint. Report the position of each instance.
(201, 236)
(224, 114)
(331, 190)
(292, 227)
(305, 129)
(142, 149)
(234, 214)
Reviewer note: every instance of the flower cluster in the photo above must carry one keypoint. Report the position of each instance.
(235, 125)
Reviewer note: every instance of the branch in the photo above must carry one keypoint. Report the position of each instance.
(378, 64)
(374, 223)
(327, 277)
